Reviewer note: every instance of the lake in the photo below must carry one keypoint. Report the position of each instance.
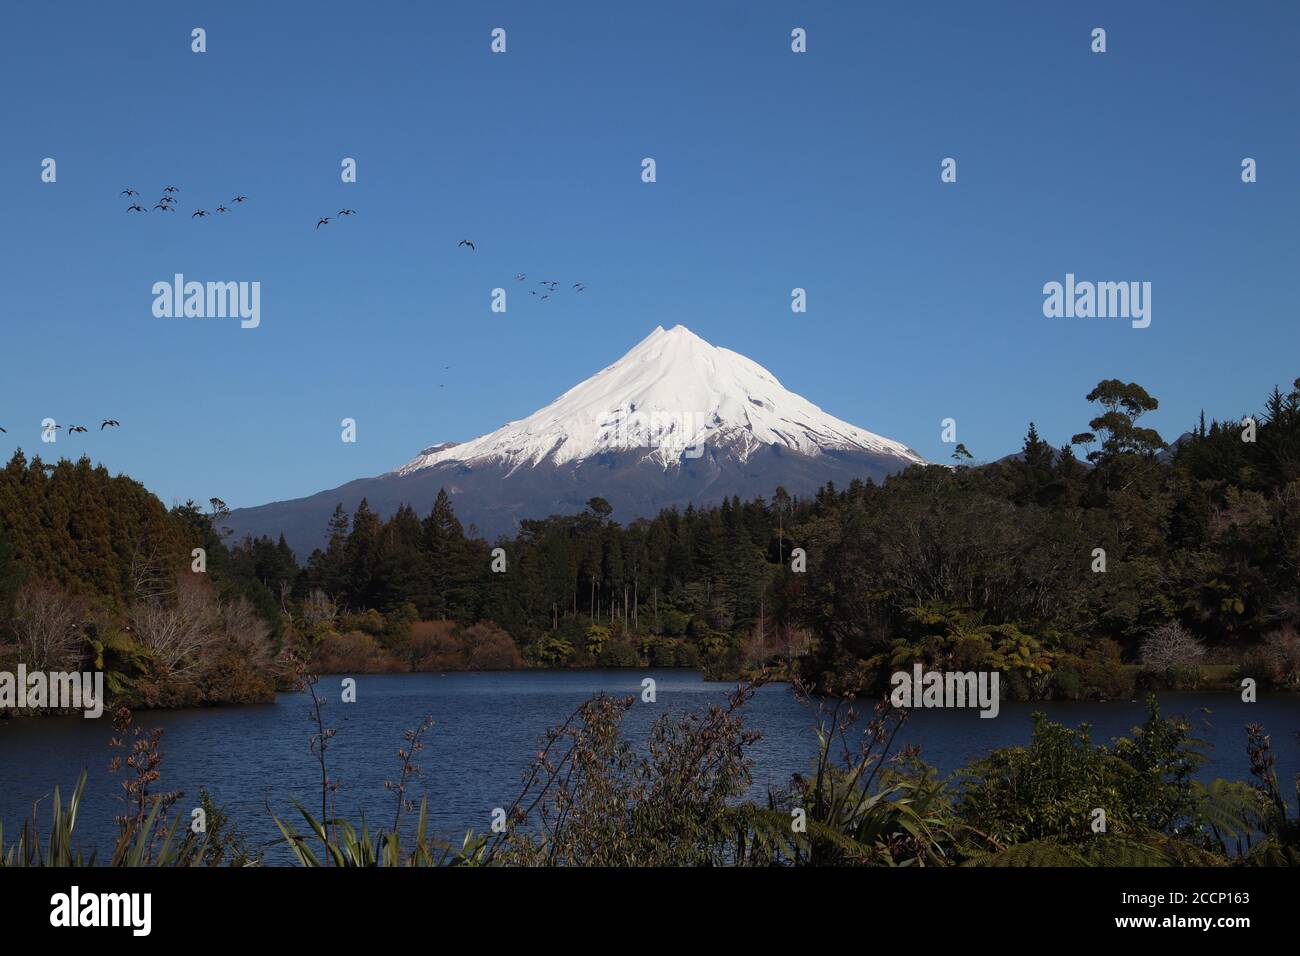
(486, 730)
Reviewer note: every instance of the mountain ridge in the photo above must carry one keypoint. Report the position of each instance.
(674, 421)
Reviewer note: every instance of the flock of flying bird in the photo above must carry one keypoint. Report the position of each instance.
(326, 220)
(168, 202)
(550, 285)
(76, 429)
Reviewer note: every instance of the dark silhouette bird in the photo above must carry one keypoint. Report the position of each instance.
(222, 209)
(170, 189)
(466, 242)
(72, 429)
(2, 431)
(164, 207)
(167, 199)
(324, 221)
(199, 212)
(545, 297)
(532, 292)
(347, 212)
(239, 199)
(135, 207)
(109, 422)
(520, 277)
(127, 192)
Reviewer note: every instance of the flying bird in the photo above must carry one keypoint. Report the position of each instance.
(347, 212)
(324, 221)
(164, 207)
(128, 192)
(466, 242)
(73, 428)
(2, 431)
(167, 199)
(135, 207)
(520, 277)
(170, 189)
(222, 209)
(109, 421)
(239, 199)
(199, 212)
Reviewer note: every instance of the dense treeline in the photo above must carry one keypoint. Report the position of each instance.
(1067, 572)
(97, 574)
(1073, 574)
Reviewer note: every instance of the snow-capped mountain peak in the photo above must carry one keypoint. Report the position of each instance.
(671, 396)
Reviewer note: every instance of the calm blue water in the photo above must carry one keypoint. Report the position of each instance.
(487, 728)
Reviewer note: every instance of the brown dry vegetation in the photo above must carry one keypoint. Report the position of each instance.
(426, 646)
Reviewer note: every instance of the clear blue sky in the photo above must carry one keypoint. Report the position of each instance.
(775, 170)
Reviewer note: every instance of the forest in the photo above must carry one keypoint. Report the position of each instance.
(1116, 562)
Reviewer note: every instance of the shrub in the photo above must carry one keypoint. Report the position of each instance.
(232, 677)
(1171, 648)
(1173, 656)
(1051, 788)
(1282, 650)
(432, 646)
(352, 653)
(596, 637)
(489, 648)
(619, 654)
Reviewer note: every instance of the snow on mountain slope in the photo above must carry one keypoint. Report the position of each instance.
(670, 396)
(674, 422)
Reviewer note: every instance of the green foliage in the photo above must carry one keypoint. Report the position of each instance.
(75, 525)
(141, 842)
(10, 576)
(60, 849)
(858, 810)
(1042, 799)
(342, 844)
